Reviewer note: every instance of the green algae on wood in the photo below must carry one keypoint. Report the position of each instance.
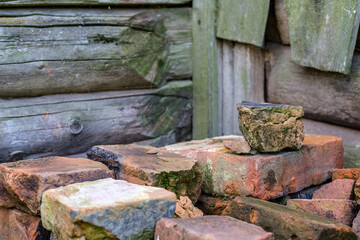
(48, 3)
(243, 20)
(323, 33)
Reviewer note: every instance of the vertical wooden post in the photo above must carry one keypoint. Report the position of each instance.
(206, 118)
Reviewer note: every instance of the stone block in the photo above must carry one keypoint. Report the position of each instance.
(209, 228)
(151, 166)
(105, 209)
(186, 209)
(323, 33)
(348, 173)
(240, 146)
(287, 223)
(212, 205)
(264, 176)
(271, 127)
(340, 210)
(17, 225)
(22, 183)
(337, 189)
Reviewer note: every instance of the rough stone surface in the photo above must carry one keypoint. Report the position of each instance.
(323, 33)
(151, 166)
(17, 225)
(265, 176)
(105, 209)
(271, 127)
(212, 205)
(287, 223)
(356, 224)
(209, 228)
(349, 173)
(186, 209)
(339, 210)
(357, 191)
(337, 189)
(22, 183)
(240, 146)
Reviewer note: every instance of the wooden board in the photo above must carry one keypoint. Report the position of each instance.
(242, 20)
(206, 95)
(47, 3)
(81, 50)
(350, 136)
(72, 123)
(282, 21)
(329, 97)
(323, 33)
(242, 80)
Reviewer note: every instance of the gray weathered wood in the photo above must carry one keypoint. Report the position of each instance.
(271, 32)
(72, 123)
(323, 33)
(329, 97)
(350, 136)
(43, 3)
(206, 104)
(76, 50)
(242, 20)
(282, 21)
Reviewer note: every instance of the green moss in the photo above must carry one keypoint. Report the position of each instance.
(93, 232)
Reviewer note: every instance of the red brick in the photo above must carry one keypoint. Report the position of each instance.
(337, 189)
(348, 173)
(265, 176)
(209, 228)
(339, 210)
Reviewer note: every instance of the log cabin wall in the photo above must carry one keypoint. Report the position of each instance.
(249, 69)
(78, 73)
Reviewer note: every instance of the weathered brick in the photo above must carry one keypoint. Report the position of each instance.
(337, 189)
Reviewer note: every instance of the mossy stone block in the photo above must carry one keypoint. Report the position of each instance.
(243, 20)
(323, 33)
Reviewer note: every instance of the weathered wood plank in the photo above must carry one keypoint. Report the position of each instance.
(350, 136)
(329, 97)
(206, 103)
(271, 31)
(48, 3)
(69, 124)
(228, 88)
(242, 20)
(323, 33)
(282, 21)
(108, 48)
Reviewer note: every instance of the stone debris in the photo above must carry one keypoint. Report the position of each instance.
(151, 166)
(22, 183)
(209, 228)
(340, 210)
(285, 222)
(17, 225)
(240, 146)
(265, 176)
(271, 127)
(186, 209)
(348, 173)
(105, 209)
(337, 189)
(356, 224)
(212, 205)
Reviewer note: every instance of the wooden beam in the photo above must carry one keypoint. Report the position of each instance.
(206, 102)
(49, 3)
(72, 123)
(328, 97)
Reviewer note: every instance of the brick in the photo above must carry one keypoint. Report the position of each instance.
(264, 176)
(285, 222)
(337, 189)
(151, 166)
(22, 183)
(209, 228)
(348, 173)
(339, 210)
(105, 209)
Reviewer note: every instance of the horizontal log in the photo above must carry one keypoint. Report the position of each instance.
(46, 3)
(329, 97)
(350, 136)
(72, 123)
(80, 50)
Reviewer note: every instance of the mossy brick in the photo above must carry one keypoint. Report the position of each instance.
(287, 223)
(264, 176)
(242, 20)
(323, 33)
(22, 183)
(151, 166)
(105, 209)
